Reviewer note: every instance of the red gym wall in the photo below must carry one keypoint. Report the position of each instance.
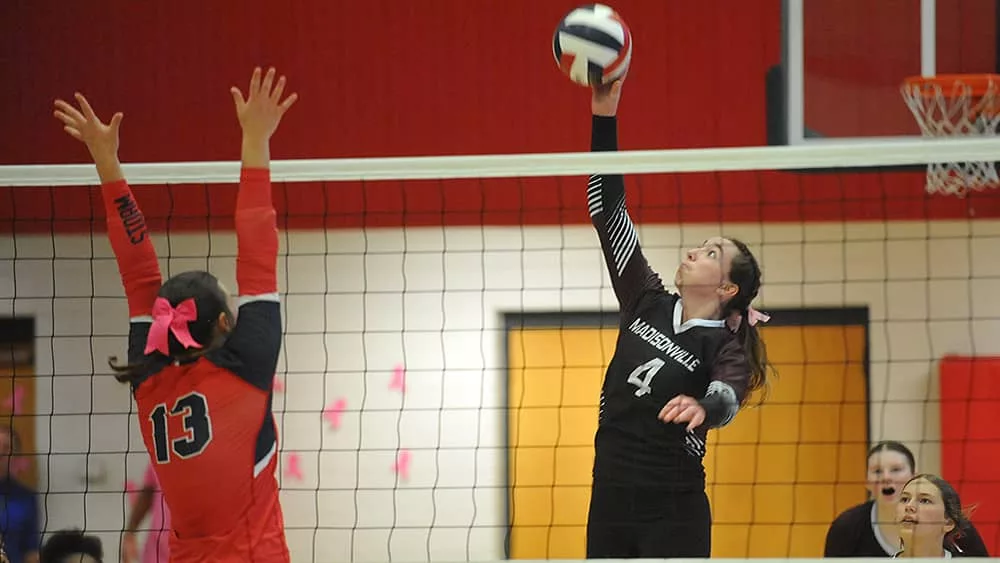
(857, 51)
(970, 438)
(408, 77)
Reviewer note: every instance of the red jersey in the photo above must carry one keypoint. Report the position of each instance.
(210, 432)
(207, 423)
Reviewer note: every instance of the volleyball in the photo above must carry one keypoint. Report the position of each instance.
(592, 45)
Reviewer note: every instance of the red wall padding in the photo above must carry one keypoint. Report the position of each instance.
(970, 438)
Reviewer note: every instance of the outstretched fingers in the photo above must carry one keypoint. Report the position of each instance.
(238, 98)
(71, 118)
(74, 132)
(78, 119)
(254, 83)
(116, 121)
(279, 88)
(88, 111)
(262, 108)
(264, 89)
(268, 82)
(68, 114)
(67, 120)
(288, 102)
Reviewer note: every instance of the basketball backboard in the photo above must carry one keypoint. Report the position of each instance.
(843, 62)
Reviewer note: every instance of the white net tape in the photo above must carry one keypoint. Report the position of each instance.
(956, 111)
(872, 154)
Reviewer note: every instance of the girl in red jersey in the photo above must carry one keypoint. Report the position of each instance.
(202, 381)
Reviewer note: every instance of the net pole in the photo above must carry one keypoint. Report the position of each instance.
(928, 38)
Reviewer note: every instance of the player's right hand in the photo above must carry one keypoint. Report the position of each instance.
(261, 111)
(605, 99)
(84, 125)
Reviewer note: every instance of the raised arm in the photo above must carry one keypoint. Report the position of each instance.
(256, 340)
(630, 273)
(127, 232)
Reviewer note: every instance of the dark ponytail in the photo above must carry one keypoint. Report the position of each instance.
(745, 273)
(126, 373)
(210, 300)
(129, 373)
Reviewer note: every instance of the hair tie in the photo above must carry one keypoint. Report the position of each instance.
(753, 317)
(169, 319)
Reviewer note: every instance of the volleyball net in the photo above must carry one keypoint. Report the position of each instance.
(448, 322)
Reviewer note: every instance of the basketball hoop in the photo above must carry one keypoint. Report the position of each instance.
(956, 105)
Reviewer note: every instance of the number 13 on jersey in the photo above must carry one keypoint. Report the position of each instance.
(192, 409)
(642, 376)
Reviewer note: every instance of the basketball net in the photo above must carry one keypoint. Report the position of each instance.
(954, 106)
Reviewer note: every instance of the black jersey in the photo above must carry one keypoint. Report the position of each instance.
(657, 357)
(855, 534)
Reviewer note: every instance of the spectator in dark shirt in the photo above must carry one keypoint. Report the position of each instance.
(873, 529)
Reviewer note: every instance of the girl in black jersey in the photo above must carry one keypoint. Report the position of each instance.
(871, 529)
(684, 363)
(930, 517)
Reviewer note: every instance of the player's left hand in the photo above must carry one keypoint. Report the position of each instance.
(682, 409)
(261, 111)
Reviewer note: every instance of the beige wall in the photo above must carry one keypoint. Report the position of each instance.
(357, 303)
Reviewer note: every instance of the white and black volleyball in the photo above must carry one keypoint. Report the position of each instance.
(592, 45)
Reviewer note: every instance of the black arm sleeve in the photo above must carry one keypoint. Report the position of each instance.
(251, 351)
(630, 273)
(728, 384)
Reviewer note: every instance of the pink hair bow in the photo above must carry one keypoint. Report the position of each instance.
(753, 317)
(169, 319)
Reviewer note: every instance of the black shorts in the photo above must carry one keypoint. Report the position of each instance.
(630, 522)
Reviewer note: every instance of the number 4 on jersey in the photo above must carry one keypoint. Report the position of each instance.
(193, 410)
(642, 376)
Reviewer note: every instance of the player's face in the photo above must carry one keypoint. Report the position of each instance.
(921, 514)
(705, 269)
(888, 471)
